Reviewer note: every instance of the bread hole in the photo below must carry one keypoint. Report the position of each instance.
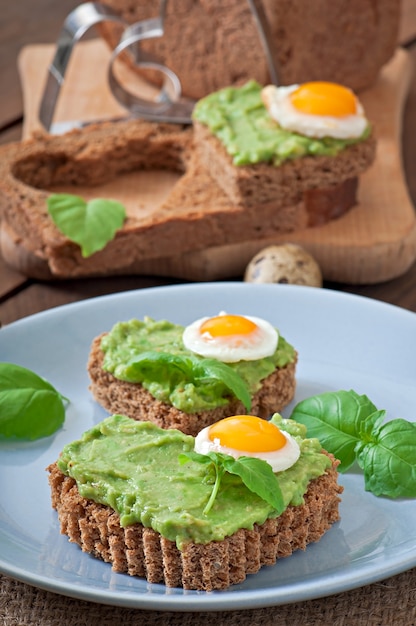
(141, 192)
(139, 172)
(39, 170)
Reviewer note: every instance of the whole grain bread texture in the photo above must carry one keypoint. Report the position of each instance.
(133, 400)
(347, 41)
(33, 169)
(323, 183)
(141, 551)
(196, 213)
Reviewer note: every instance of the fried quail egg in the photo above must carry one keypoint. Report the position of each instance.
(231, 338)
(316, 109)
(247, 435)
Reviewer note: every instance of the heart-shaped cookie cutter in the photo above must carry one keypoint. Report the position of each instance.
(168, 105)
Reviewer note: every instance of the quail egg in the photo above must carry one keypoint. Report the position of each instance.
(286, 263)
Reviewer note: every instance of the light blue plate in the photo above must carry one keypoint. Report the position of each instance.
(344, 342)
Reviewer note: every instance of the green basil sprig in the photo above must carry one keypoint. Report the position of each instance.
(89, 224)
(30, 408)
(257, 475)
(153, 364)
(350, 427)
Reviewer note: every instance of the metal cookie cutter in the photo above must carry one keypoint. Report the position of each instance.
(168, 105)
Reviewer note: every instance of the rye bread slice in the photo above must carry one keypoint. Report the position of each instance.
(263, 183)
(141, 551)
(133, 400)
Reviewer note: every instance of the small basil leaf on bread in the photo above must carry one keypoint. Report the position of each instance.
(153, 364)
(90, 224)
(256, 474)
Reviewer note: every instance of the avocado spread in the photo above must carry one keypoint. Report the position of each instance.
(239, 119)
(133, 467)
(128, 340)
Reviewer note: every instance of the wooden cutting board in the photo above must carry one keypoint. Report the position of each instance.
(373, 242)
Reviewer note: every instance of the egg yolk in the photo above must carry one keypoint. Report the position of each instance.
(228, 325)
(321, 98)
(247, 433)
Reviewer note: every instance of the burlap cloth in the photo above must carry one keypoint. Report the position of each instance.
(391, 602)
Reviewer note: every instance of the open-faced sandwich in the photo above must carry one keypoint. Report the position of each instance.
(190, 377)
(198, 513)
(302, 146)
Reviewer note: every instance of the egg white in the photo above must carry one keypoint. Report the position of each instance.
(259, 344)
(279, 460)
(277, 102)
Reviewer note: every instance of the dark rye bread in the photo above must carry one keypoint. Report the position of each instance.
(255, 185)
(195, 215)
(141, 551)
(32, 169)
(133, 400)
(346, 41)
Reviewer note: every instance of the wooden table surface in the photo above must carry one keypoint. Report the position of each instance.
(39, 21)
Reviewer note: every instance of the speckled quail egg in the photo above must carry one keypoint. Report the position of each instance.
(286, 263)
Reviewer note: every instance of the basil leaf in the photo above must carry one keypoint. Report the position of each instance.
(203, 459)
(213, 459)
(89, 224)
(258, 476)
(155, 365)
(352, 428)
(370, 425)
(177, 368)
(212, 369)
(336, 419)
(389, 460)
(30, 407)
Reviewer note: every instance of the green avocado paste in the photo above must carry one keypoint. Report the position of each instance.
(134, 468)
(179, 385)
(239, 119)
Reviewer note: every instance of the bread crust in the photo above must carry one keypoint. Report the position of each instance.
(133, 400)
(141, 551)
(254, 185)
